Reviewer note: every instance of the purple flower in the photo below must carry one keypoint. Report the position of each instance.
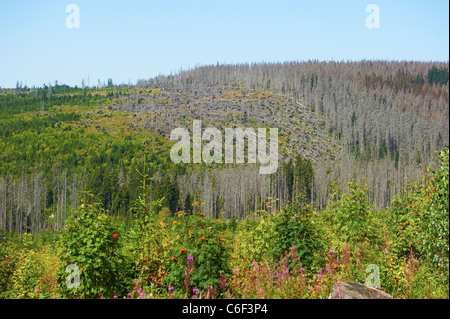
(236, 270)
(194, 297)
(255, 263)
(320, 273)
(277, 274)
(302, 269)
(195, 289)
(190, 258)
(327, 269)
(332, 251)
(171, 288)
(286, 272)
(129, 295)
(115, 297)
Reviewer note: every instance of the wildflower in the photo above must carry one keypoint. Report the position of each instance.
(327, 269)
(277, 274)
(115, 297)
(194, 297)
(195, 289)
(411, 205)
(420, 243)
(180, 212)
(218, 220)
(201, 238)
(173, 259)
(115, 236)
(190, 258)
(141, 295)
(196, 203)
(302, 270)
(286, 272)
(190, 232)
(332, 251)
(236, 270)
(320, 273)
(175, 222)
(201, 214)
(182, 250)
(129, 295)
(171, 288)
(255, 263)
(219, 240)
(167, 245)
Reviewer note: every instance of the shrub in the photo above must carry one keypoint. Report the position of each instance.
(91, 243)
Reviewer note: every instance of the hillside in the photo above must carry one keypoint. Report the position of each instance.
(373, 120)
(89, 192)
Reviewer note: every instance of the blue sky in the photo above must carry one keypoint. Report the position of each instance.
(131, 40)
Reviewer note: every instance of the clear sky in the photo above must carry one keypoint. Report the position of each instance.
(132, 39)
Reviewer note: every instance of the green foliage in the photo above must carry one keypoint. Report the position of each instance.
(88, 243)
(351, 218)
(292, 253)
(435, 222)
(438, 76)
(202, 238)
(293, 226)
(9, 260)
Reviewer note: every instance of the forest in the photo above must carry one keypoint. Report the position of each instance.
(86, 179)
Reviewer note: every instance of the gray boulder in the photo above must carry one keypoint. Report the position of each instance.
(354, 290)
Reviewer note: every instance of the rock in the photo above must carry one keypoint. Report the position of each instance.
(354, 290)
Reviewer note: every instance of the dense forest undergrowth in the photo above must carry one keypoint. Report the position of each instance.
(295, 252)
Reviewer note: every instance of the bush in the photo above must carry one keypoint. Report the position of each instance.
(91, 243)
